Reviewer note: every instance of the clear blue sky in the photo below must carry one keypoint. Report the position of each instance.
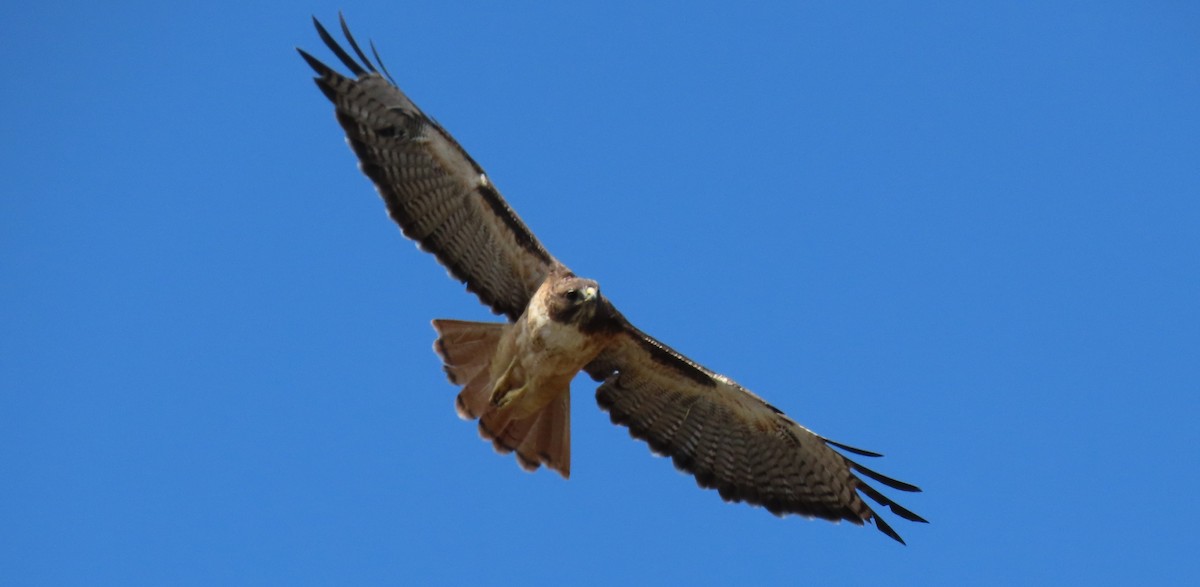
(967, 237)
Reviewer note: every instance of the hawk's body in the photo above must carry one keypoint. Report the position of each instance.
(516, 376)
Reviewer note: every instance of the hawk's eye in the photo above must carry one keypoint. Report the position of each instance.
(573, 295)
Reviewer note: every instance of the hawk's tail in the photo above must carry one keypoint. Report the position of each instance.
(543, 438)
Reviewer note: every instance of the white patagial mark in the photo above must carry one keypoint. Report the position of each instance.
(483, 180)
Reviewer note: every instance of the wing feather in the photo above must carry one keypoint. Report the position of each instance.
(433, 189)
(731, 440)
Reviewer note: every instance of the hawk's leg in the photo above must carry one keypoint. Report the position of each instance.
(503, 392)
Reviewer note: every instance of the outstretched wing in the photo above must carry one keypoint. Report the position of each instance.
(433, 189)
(731, 439)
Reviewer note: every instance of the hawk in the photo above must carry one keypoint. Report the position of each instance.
(515, 376)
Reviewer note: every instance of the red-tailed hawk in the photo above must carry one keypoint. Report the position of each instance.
(515, 376)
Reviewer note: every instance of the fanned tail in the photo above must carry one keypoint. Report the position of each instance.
(543, 438)
(467, 349)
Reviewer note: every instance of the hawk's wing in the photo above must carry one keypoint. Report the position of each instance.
(437, 194)
(731, 439)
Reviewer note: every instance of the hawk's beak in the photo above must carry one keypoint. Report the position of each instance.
(589, 293)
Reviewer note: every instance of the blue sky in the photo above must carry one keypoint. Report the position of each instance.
(964, 236)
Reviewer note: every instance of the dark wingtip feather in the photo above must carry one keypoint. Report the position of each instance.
(333, 45)
(896, 508)
(878, 497)
(906, 513)
(314, 63)
(893, 483)
(354, 44)
(851, 449)
(324, 73)
(379, 60)
(887, 529)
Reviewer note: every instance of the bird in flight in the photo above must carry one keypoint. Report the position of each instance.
(515, 376)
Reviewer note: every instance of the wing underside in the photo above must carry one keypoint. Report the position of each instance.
(433, 189)
(733, 441)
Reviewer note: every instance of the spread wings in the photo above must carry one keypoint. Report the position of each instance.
(729, 438)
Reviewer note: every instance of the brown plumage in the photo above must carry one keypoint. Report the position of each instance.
(515, 377)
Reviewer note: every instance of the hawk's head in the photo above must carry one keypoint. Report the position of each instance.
(570, 299)
(577, 301)
(573, 300)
